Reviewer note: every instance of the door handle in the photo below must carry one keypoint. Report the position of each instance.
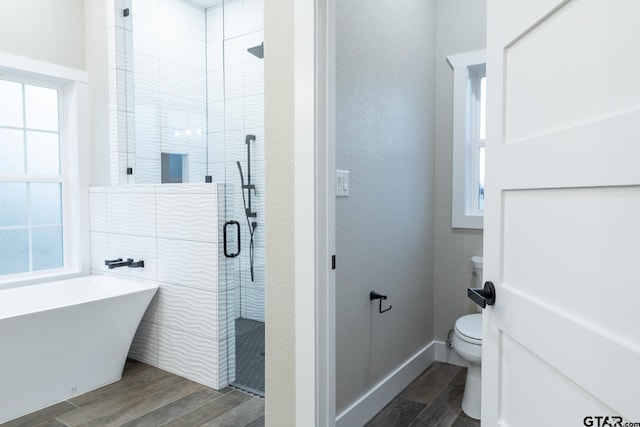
(483, 296)
(224, 234)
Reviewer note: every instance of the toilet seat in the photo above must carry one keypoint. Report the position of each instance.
(469, 328)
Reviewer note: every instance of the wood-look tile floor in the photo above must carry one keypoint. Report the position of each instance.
(148, 396)
(433, 400)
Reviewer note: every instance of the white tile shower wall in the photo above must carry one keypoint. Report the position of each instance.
(163, 41)
(189, 61)
(236, 107)
(189, 326)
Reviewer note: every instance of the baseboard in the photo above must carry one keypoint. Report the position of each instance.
(382, 393)
(365, 408)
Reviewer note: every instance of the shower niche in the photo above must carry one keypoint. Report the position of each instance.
(187, 89)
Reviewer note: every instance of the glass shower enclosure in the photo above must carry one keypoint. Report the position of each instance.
(191, 77)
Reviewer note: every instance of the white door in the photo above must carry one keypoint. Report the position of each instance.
(561, 344)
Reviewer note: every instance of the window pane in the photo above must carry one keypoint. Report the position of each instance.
(46, 203)
(43, 153)
(41, 105)
(47, 248)
(483, 106)
(13, 204)
(11, 151)
(11, 105)
(14, 251)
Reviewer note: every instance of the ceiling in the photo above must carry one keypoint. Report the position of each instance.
(205, 3)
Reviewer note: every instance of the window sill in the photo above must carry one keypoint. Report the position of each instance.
(26, 279)
(468, 221)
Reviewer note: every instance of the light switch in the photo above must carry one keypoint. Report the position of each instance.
(342, 183)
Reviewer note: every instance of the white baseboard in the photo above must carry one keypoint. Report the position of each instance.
(365, 408)
(382, 393)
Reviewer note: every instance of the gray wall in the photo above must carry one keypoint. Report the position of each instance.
(461, 28)
(50, 31)
(384, 229)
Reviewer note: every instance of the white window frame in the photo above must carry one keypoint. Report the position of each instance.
(467, 68)
(73, 107)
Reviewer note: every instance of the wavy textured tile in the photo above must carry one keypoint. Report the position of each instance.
(98, 211)
(189, 356)
(183, 17)
(147, 171)
(197, 188)
(234, 114)
(253, 304)
(145, 344)
(146, 40)
(182, 82)
(132, 214)
(135, 247)
(253, 76)
(188, 217)
(151, 314)
(190, 310)
(99, 250)
(215, 86)
(188, 263)
(254, 111)
(234, 82)
(253, 15)
(181, 50)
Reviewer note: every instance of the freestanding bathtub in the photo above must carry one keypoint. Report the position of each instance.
(64, 338)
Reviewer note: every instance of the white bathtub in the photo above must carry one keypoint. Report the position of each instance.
(65, 338)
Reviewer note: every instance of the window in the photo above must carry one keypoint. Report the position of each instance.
(44, 171)
(469, 118)
(31, 179)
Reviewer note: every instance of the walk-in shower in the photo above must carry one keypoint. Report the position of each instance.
(190, 109)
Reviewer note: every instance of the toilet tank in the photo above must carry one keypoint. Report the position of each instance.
(476, 261)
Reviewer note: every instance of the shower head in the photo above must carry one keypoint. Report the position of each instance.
(257, 51)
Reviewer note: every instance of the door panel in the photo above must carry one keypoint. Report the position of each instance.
(556, 250)
(562, 235)
(526, 378)
(545, 91)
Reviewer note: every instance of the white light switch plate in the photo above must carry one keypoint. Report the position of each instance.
(342, 183)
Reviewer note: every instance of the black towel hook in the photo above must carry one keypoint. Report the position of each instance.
(374, 295)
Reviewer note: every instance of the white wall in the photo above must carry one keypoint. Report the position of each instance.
(460, 28)
(279, 164)
(98, 17)
(384, 229)
(50, 31)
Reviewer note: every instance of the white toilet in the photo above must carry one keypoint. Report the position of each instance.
(467, 343)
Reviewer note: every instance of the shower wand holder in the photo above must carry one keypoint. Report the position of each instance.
(373, 295)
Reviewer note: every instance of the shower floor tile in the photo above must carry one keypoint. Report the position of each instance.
(250, 356)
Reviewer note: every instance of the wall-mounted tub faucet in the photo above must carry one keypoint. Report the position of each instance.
(115, 263)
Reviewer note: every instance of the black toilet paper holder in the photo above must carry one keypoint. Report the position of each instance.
(374, 295)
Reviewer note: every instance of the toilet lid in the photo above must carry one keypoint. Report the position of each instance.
(470, 327)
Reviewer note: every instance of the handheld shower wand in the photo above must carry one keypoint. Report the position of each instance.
(247, 210)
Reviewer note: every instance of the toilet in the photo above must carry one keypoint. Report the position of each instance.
(467, 343)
